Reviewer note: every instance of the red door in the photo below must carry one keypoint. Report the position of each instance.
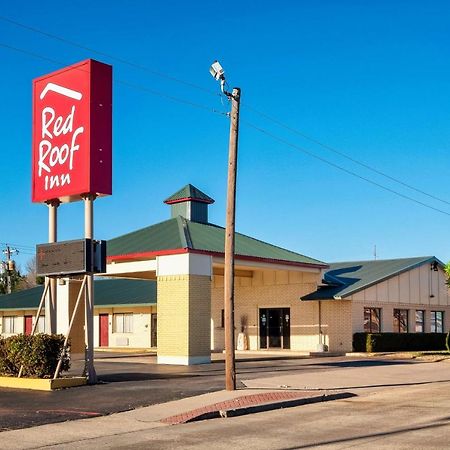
(104, 330)
(28, 325)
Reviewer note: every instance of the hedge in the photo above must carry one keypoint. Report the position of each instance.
(392, 342)
(39, 355)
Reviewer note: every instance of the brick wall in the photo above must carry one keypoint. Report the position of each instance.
(283, 289)
(184, 311)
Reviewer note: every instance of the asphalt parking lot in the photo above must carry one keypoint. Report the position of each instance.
(131, 381)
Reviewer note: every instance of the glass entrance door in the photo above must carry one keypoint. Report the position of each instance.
(274, 328)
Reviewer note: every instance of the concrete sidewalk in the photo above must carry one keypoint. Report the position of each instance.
(74, 434)
(100, 432)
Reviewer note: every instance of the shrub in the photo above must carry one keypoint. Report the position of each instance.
(393, 342)
(39, 355)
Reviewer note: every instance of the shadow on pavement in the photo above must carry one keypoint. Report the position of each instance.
(442, 422)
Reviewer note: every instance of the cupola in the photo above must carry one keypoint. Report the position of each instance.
(190, 203)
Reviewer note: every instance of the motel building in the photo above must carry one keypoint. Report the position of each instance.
(164, 290)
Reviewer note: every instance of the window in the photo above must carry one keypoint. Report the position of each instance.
(437, 321)
(9, 324)
(400, 320)
(372, 320)
(222, 319)
(420, 321)
(123, 323)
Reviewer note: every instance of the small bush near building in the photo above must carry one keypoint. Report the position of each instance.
(39, 355)
(395, 342)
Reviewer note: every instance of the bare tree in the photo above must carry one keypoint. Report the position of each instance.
(31, 279)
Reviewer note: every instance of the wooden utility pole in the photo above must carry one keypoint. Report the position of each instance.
(9, 267)
(230, 366)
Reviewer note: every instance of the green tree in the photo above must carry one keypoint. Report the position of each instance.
(17, 281)
(447, 271)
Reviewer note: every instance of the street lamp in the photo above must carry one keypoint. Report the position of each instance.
(218, 73)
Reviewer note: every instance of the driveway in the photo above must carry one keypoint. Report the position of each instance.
(130, 381)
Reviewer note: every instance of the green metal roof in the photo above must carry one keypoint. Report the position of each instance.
(189, 192)
(117, 292)
(346, 278)
(27, 299)
(211, 238)
(180, 233)
(162, 236)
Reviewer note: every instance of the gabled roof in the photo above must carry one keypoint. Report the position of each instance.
(189, 192)
(117, 292)
(180, 235)
(346, 278)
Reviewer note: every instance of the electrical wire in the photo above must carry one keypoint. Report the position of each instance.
(192, 85)
(343, 169)
(261, 130)
(18, 246)
(123, 82)
(344, 155)
(107, 55)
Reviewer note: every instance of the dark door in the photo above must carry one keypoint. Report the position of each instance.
(274, 328)
(104, 330)
(154, 331)
(28, 325)
(286, 319)
(263, 328)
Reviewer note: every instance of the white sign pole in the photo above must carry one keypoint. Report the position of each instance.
(89, 292)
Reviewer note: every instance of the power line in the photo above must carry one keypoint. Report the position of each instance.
(343, 169)
(123, 82)
(344, 155)
(107, 55)
(192, 85)
(19, 246)
(273, 136)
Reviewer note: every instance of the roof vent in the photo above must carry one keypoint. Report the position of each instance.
(190, 203)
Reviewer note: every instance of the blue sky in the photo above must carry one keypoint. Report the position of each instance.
(371, 79)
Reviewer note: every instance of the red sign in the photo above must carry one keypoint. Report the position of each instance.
(72, 133)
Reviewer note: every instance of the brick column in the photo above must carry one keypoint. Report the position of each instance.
(184, 309)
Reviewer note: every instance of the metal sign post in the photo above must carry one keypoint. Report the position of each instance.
(89, 292)
(50, 304)
(72, 161)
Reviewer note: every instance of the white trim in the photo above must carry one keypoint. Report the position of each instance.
(184, 264)
(184, 360)
(131, 267)
(218, 261)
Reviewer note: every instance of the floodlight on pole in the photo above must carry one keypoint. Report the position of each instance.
(218, 73)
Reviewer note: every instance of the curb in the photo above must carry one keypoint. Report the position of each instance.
(251, 404)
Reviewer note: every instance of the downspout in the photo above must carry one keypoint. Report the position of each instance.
(320, 324)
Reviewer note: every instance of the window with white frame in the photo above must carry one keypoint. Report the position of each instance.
(123, 322)
(437, 321)
(9, 324)
(420, 321)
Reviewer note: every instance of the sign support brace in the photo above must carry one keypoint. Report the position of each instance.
(38, 314)
(66, 341)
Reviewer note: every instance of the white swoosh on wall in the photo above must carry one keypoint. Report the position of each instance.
(60, 90)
